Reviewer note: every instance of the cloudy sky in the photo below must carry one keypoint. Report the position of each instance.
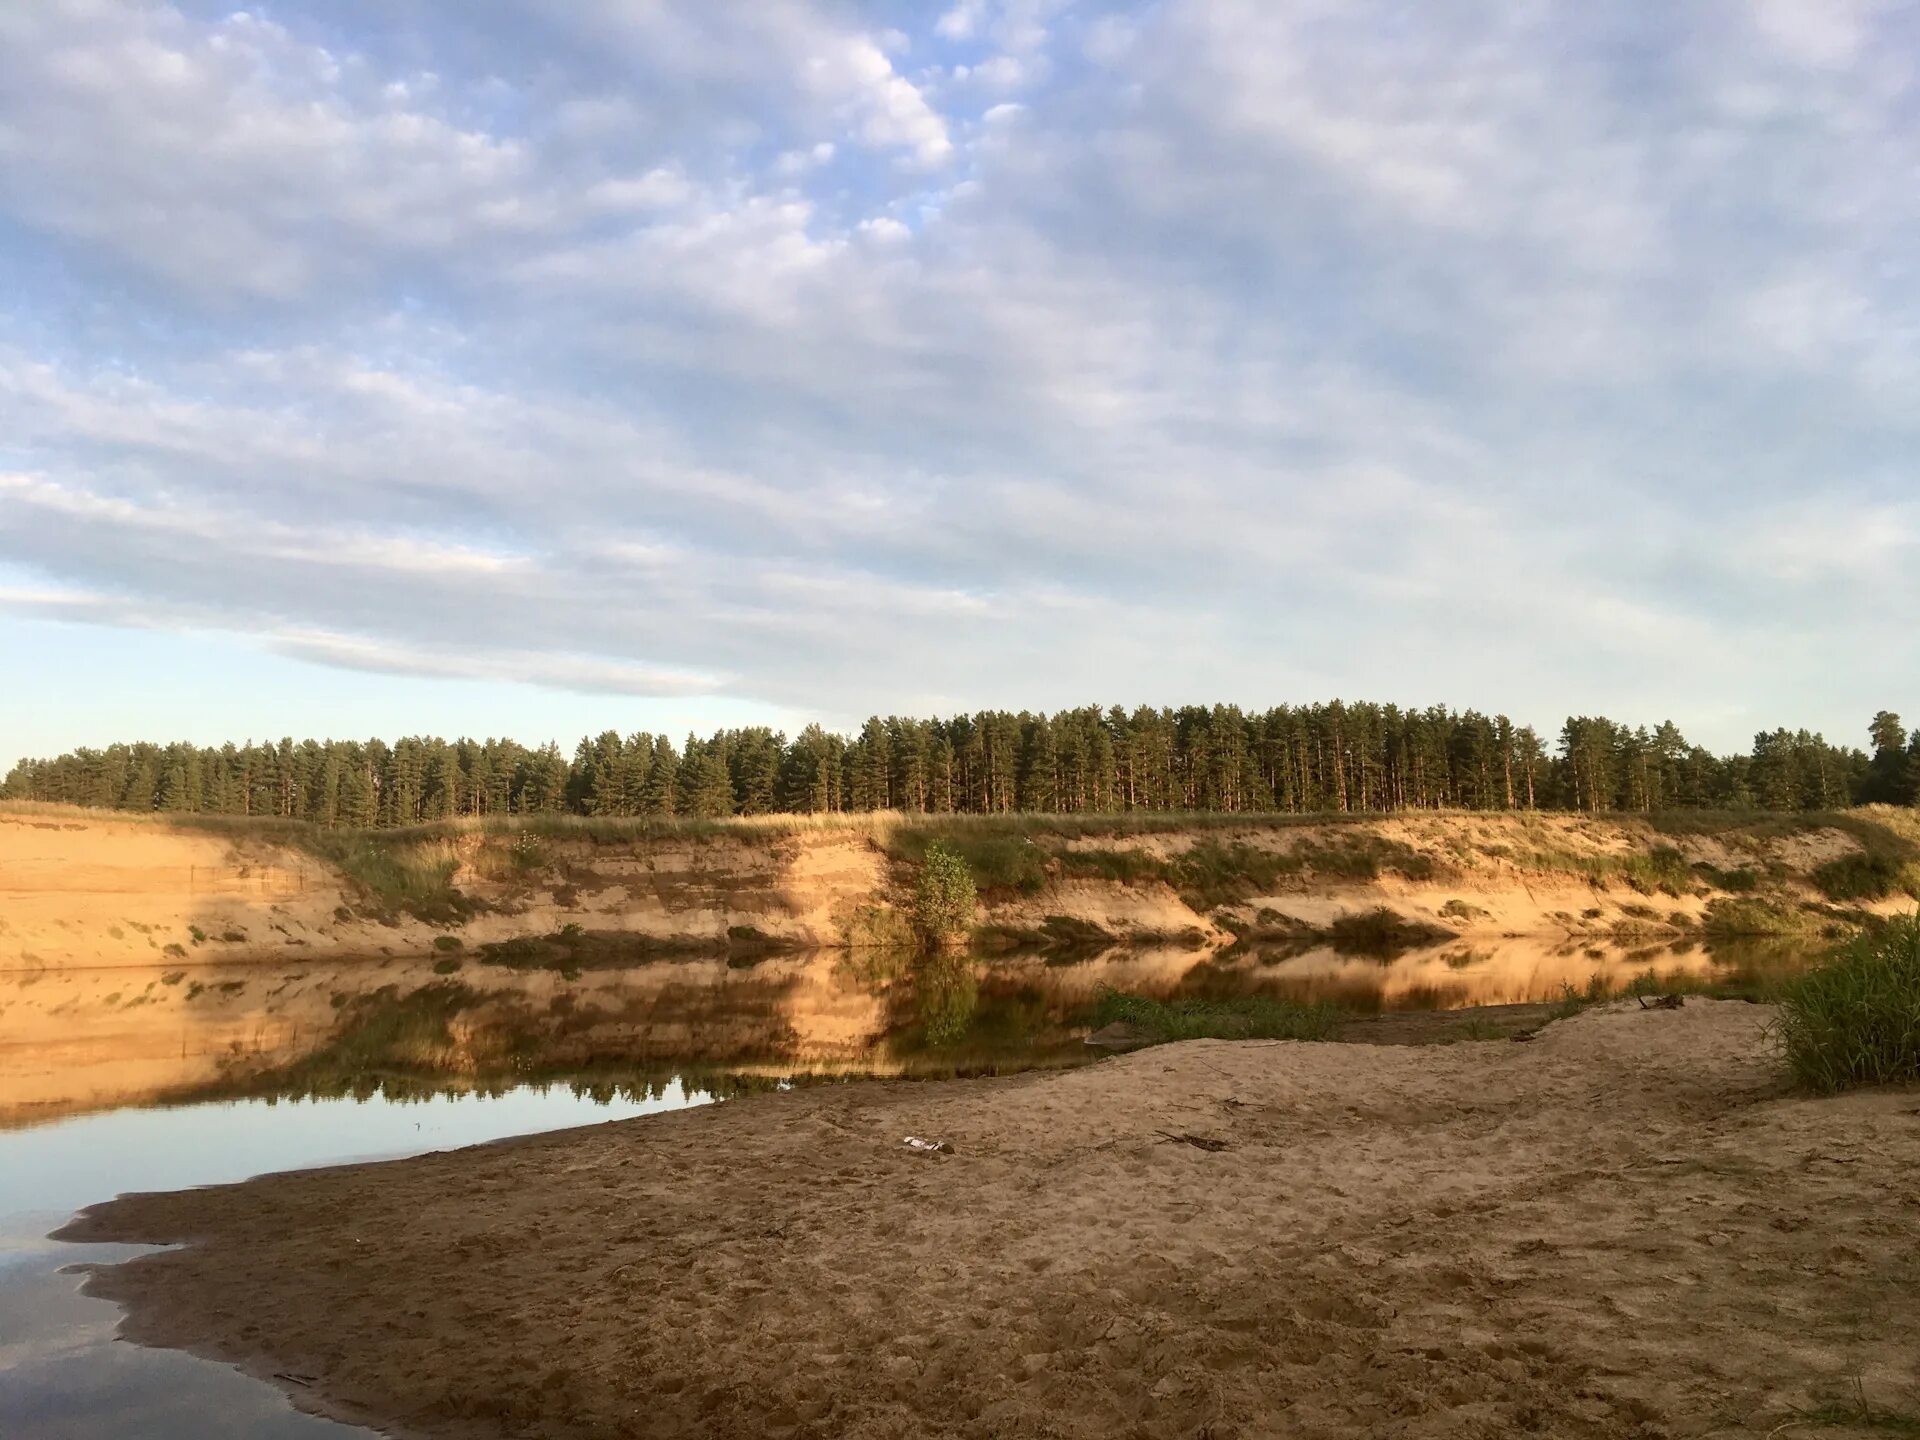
(375, 366)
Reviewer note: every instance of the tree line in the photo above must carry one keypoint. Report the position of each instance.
(1335, 757)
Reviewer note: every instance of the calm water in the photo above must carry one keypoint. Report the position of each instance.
(62, 1377)
(121, 1080)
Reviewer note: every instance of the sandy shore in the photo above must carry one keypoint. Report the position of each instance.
(1622, 1228)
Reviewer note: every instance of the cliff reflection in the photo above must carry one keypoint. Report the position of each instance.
(77, 1040)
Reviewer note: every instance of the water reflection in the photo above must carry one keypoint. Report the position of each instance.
(73, 1041)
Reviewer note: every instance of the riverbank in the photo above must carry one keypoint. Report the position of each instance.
(1623, 1228)
(90, 889)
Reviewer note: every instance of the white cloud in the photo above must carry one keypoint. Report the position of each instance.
(640, 348)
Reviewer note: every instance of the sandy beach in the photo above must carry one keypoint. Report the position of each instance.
(1626, 1227)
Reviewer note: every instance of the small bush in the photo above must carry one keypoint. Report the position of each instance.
(1854, 1019)
(1124, 867)
(1664, 870)
(1461, 910)
(199, 935)
(1382, 934)
(1741, 881)
(447, 942)
(996, 859)
(943, 897)
(1243, 1017)
(1744, 917)
(1860, 877)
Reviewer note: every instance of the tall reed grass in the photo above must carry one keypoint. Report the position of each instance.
(1854, 1019)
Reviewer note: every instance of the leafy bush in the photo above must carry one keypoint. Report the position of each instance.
(1855, 1018)
(943, 897)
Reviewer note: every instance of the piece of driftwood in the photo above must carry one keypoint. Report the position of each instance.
(1199, 1142)
(1663, 1002)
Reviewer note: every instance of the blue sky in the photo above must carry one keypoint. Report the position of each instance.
(513, 368)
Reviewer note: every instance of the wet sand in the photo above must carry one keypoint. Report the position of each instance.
(1625, 1227)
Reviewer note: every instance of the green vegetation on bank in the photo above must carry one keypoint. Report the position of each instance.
(1854, 1019)
(943, 898)
(1241, 1017)
(1325, 758)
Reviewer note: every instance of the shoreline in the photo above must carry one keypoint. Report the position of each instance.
(1624, 1228)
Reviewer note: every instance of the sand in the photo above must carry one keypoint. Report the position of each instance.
(1625, 1227)
(90, 889)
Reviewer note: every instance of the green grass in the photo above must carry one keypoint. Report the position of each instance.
(1743, 917)
(1854, 1019)
(395, 873)
(1573, 1000)
(1741, 880)
(998, 860)
(1663, 869)
(1119, 867)
(1244, 1017)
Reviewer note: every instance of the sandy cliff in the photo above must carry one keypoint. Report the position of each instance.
(80, 889)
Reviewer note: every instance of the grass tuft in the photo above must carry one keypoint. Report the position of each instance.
(1854, 1019)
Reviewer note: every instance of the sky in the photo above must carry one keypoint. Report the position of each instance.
(510, 368)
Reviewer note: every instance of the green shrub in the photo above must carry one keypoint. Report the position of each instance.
(399, 874)
(1741, 881)
(1383, 934)
(447, 942)
(1664, 869)
(1124, 867)
(878, 927)
(1209, 874)
(998, 858)
(1860, 877)
(1461, 910)
(1854, 1019)
(1745, 917)
(943, 897)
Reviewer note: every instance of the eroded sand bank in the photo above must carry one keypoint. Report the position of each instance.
(1625, 1227)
